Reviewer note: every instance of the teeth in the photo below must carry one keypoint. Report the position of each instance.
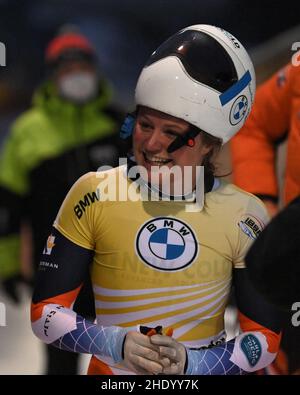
(156, 159)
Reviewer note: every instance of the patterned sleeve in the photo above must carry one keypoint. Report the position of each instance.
(64, 264)
(260, 323)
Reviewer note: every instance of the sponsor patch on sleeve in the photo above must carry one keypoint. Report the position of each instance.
(251, 226)
(251, 352)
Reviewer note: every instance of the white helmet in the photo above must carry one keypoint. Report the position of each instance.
(202, 75)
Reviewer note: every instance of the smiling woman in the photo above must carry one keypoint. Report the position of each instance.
(155, 263)
(154, 133)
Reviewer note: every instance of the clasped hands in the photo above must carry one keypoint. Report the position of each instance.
(157, 354)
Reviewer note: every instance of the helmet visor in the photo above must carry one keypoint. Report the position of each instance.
(203, 58)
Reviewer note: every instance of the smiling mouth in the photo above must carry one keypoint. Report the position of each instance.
(155, 160)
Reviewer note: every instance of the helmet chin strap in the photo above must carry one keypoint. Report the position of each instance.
(187, 139)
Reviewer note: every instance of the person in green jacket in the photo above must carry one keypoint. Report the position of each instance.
(70, 129)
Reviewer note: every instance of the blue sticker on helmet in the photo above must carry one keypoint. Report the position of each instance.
(235, 89)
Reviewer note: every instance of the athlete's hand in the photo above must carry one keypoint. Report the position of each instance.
(173, 350)
(141, 356)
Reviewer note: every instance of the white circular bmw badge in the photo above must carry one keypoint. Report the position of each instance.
(238, 110)
(166, 244)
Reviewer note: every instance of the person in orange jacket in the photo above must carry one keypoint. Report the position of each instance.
(275, 116)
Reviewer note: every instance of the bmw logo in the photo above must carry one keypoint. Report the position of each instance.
(166, 244)
(238, 110)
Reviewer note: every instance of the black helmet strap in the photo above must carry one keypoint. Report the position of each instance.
(186, 139)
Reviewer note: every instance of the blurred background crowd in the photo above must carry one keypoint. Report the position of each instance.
(122, 34)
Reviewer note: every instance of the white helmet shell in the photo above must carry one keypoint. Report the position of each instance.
(202, 75)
